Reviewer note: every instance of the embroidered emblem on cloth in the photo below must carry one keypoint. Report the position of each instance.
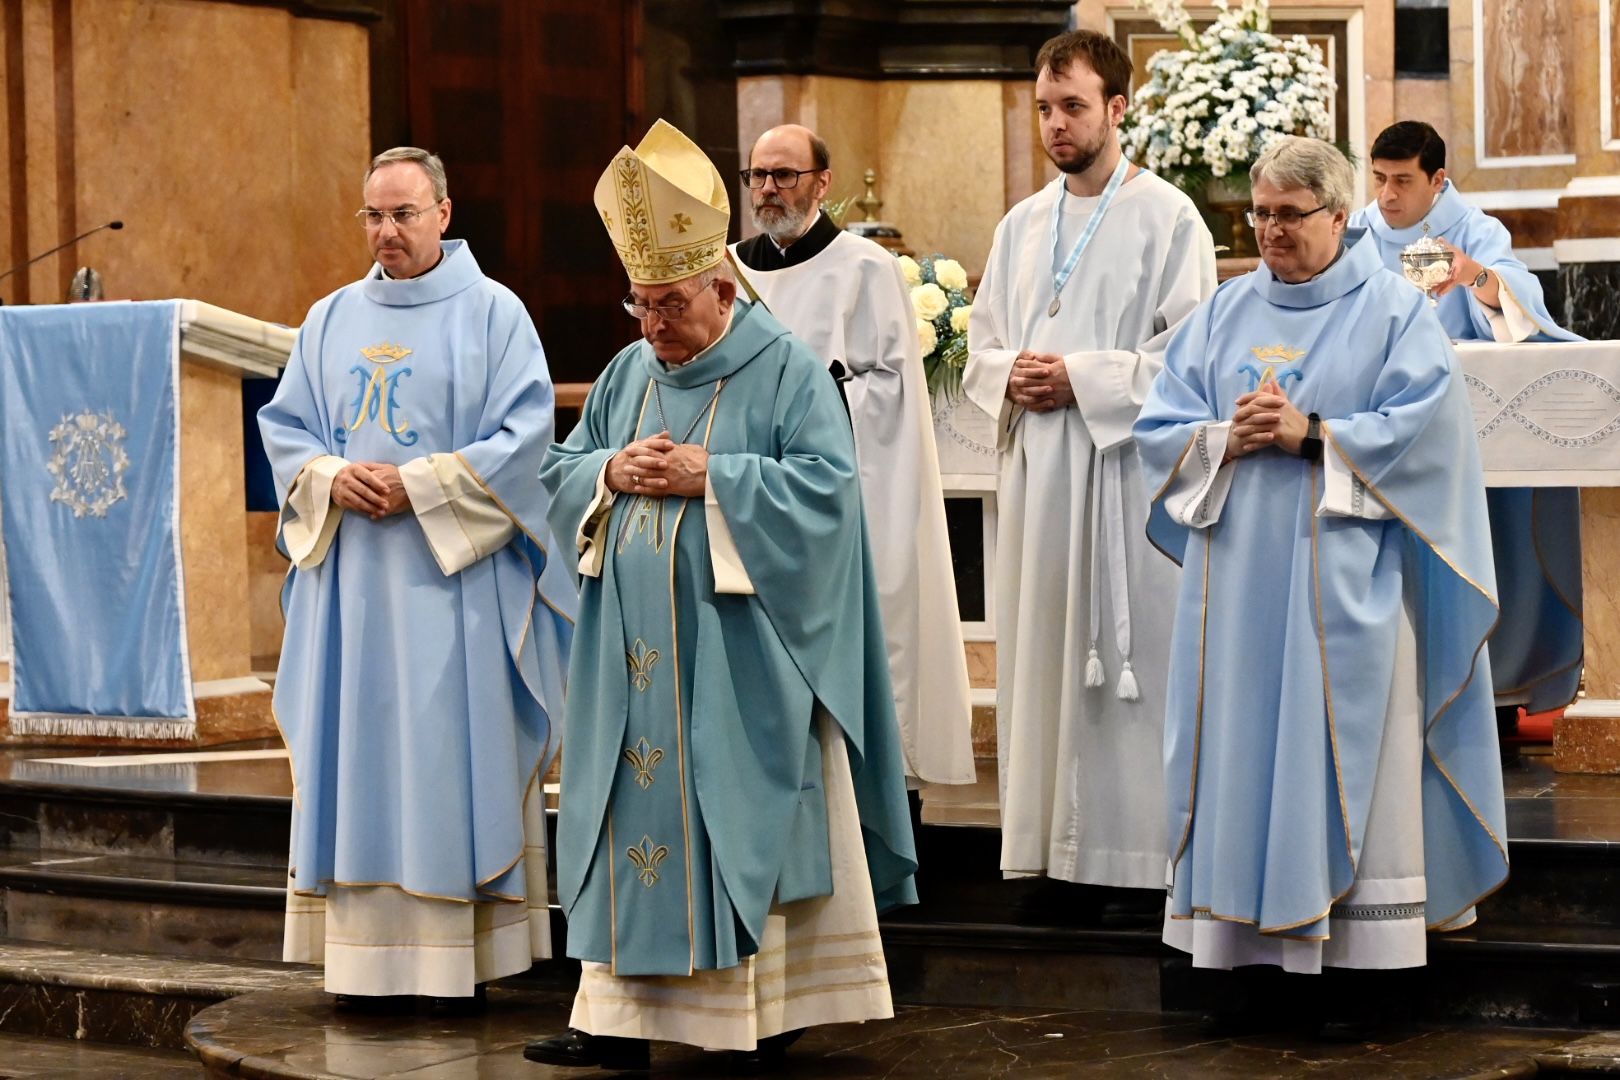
(89, 463)
(646, 857)
(641, 661)
(375, 395)
(644, 758)
(1268, 371)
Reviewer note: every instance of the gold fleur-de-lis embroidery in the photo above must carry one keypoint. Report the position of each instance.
(645, 856)
(680, 222)
(644, 758)
(642, 660)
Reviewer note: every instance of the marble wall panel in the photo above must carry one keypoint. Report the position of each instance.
(267, 570)
(213, 525)
(944, 156)
(1528, 84)
(40, 145)
(1600, 537)
(1613, 45)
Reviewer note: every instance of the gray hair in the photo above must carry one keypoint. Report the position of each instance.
(429, 162)
(1297, 162)
(720, 271)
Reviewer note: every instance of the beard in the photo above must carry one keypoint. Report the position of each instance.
(1084, 156)
(779, 219)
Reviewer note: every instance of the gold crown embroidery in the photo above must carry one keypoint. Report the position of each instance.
(376, 353)
(1264, 353)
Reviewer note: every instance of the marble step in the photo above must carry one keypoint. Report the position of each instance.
(127, 998)
(186, 810)
(180, 907)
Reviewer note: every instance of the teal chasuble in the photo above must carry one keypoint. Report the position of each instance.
(692, 785)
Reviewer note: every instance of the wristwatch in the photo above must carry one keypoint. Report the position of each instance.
(1310, 447)
(1479, 282)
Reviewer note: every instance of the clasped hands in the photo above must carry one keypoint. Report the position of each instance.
(1265, 417)
(659, 466)
(371, 488)
(1040, 382)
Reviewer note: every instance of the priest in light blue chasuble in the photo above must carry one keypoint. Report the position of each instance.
(1537, 650)
(420, 690)
(733, 813)
(1330, 749)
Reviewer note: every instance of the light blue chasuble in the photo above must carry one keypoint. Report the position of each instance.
(1537, 650)
(691, 783)
(1286, 622)
(417, 705)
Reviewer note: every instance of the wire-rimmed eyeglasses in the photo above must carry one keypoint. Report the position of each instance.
(668, 312)
(1287, 218)
(373, 219)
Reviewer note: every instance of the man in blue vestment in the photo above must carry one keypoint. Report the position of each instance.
(420, 688)
(1537, 649)
(1330, 751)
(733, 808)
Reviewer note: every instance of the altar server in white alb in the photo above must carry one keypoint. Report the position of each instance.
(847, 298)
(1086, 280)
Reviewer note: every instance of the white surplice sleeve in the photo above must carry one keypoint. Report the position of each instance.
(990, 359)
(459, 518)
(1197, 492)
(1343, 493)
(309, 518)
(1111, 384)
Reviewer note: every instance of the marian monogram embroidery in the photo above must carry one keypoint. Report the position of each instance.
(644, 758)
(1266, 369)
(89, 463)
(646, 858)
(646, 516)
(642, 660)
(375, 396)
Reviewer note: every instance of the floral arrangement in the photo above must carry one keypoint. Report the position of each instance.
(1211, 109)
(939, 297)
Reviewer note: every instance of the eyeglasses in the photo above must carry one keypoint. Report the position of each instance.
(785, 178)
(667, 312)
(1287, 219)
(373, 219)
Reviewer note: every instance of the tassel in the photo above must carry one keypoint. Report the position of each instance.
(1127, 685)
(1094, 670)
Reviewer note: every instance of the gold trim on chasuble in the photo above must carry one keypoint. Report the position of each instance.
(647, 856)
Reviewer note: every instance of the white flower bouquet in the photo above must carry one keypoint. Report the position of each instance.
(1211, 109)
(939, 297)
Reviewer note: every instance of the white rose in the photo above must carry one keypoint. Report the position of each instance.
(929, 301)
(927, 340)
(949, 274)
(959, 319)
(913, 272)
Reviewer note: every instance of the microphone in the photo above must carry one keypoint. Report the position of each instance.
(114, 225)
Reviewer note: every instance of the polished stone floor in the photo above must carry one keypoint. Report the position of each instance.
(296, 1034)
(24, 1057)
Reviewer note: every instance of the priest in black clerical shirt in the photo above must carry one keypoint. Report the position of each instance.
(848, 299)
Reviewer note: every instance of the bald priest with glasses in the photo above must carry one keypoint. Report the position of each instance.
(733, 807)
(428, 619)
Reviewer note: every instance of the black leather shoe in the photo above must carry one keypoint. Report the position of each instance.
(375, 1005)
(460, 1006)
(768, 1053)
(577, 1049)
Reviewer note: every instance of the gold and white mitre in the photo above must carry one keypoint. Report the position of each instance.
(665, 208)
